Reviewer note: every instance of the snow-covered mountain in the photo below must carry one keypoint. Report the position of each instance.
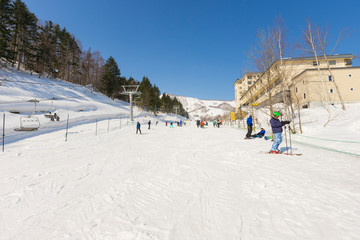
(205, 108)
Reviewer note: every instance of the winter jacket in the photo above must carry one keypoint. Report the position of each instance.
(138, 125)
(249, 121)
(276, 125)
(261, 133)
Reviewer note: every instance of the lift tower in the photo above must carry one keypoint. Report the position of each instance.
(131, 90)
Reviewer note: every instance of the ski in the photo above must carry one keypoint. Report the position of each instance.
(283, 153)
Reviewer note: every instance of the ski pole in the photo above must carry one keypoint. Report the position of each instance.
(286, 140)
(290, 140)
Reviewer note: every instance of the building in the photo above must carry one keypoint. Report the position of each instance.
(305, 80)
(244, 84)
(313, 86)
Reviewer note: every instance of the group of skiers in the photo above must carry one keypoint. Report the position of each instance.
(276, 126)
(202, 124)
(138, 125)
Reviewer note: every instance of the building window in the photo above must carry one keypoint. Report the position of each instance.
(351, 89)
(303, 82)
(330, 78)
(304, 95)
(331, 90)
(296, 89)
(249, 77)
(348, 62)
(316, 63)
(253, 81)
(332, 62)
(349, 75)
(249, 82)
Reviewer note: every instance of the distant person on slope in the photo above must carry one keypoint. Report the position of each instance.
(149, 123)
(138, 128)
(249, 123)
(276, 126)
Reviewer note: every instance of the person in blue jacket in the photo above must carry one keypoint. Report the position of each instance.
(249, 123)
(138, 127)
(276, 126)
(259, 134)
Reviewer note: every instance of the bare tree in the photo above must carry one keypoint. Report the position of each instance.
(270, 47)
(317, 39)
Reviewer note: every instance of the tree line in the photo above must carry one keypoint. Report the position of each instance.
(53, 52)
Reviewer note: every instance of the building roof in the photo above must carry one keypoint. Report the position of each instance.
(245, 74)
(335, 56)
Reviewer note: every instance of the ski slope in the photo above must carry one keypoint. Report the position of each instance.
(106, 182)
(174, 183)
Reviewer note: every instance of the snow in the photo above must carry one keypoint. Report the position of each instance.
(205, 108)
(167, 183)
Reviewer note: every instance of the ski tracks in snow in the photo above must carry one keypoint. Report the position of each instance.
(169, 184)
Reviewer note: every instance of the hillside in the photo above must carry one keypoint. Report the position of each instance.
(19, 90)
(205, 108)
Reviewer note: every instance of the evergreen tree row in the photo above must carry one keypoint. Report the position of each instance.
(45, 48)
(53, 52)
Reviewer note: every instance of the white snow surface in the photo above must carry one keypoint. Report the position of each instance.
(167, 183)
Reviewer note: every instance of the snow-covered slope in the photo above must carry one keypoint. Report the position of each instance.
(19, 90)
(205, 108)
(167, 183)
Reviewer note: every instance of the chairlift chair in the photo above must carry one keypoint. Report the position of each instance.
(28, 123)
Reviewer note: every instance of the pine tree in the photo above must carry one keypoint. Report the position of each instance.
(23, 25)
(5, 33)
(111, 77)
(145, 89)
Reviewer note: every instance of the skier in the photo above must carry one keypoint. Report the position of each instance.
(249, 126)
(276, 126)
(138, 128)
(259, 134)
(198, 123)
(171, 125)
(149, 123)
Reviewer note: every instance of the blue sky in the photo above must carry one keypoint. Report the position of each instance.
(194, 48)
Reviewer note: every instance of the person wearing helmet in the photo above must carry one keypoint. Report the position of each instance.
(276, 126)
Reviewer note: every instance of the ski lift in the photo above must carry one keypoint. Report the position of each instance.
(28, 123)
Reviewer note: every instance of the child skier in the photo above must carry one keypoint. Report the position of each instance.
(276, 126)
(259, 134)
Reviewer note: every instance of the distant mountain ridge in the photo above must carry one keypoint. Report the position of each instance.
(209, 109)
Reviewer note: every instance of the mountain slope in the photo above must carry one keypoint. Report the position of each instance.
(205, 108)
